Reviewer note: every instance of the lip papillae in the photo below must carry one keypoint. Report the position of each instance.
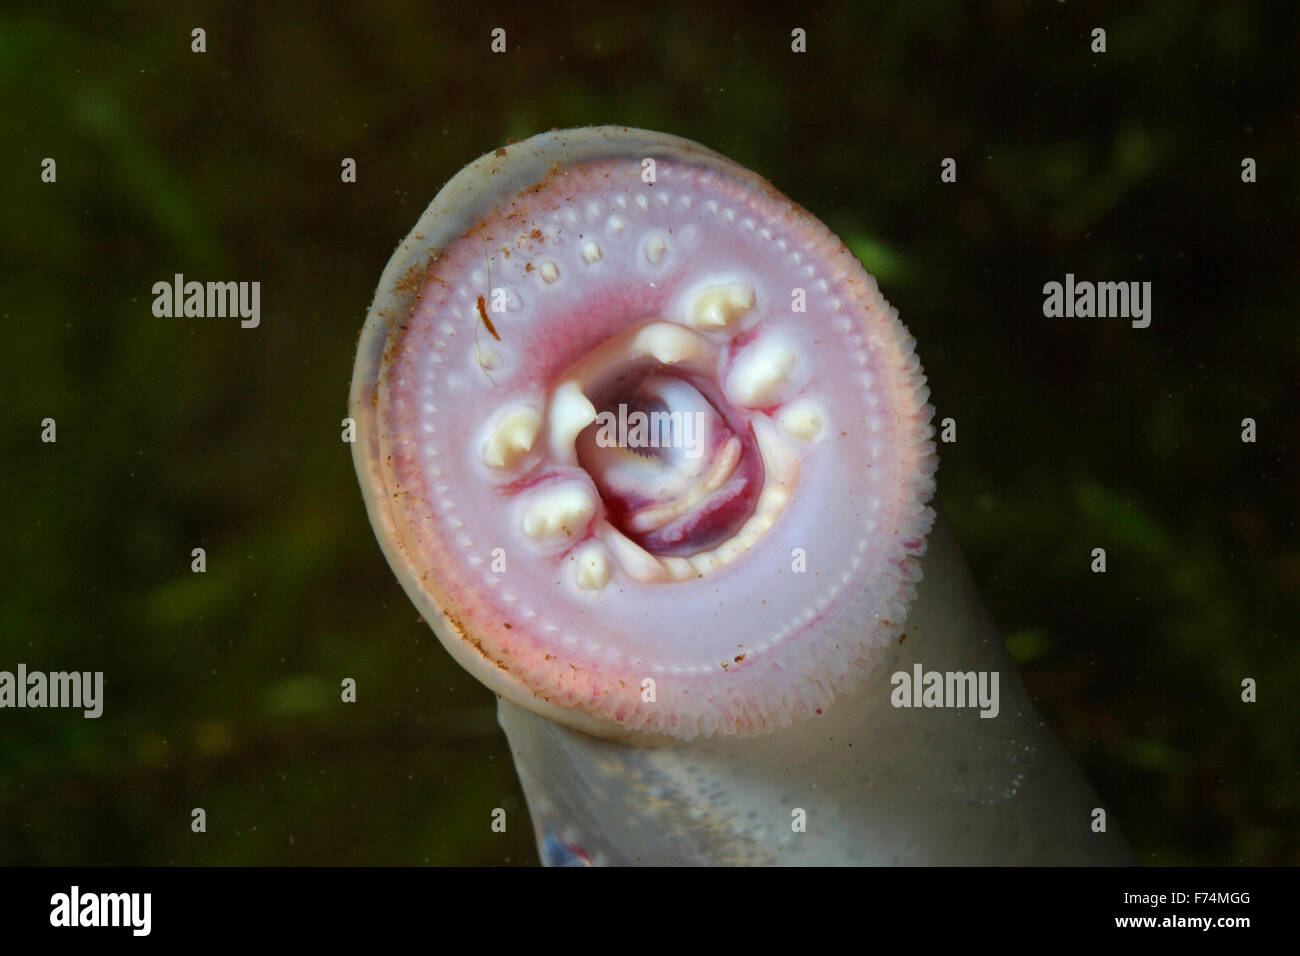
(679, 598)
(740, 594)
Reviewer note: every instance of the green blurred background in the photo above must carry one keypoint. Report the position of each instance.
(222, 688)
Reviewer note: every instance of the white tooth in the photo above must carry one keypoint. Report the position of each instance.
(655, 518)
(654, 249)
(728, 458)
(770, 503)
(571, 412)
(759, 374)
(780, 461)
(801, 419)
(559, 511)
(549, 271)
(679, 569)
(511, 437)
(720, 306)
(668, 343)
(639, 563)
(592, 573)
(590, 251)
(705, 562)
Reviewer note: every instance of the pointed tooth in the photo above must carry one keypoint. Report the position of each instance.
(668, 343)
(720, 306)
(780, 461)
(559, 511)
(571, 411)
(511, 437)
(636, 561)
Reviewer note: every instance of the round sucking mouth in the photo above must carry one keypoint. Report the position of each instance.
(642, 439)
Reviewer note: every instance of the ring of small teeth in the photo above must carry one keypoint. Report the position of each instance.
(560, 511)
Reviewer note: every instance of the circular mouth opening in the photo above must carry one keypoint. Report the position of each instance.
(657, 452)
(677, 470)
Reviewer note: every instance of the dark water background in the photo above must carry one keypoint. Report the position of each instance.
(181, 433)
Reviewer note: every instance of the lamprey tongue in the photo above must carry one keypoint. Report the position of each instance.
(673, 474)
(642, 439)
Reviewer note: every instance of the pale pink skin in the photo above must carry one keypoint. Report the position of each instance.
(724, 657)
(748, 648)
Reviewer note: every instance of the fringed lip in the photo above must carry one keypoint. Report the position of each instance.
(537, 255)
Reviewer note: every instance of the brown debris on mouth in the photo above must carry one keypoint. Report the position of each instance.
(482, 312)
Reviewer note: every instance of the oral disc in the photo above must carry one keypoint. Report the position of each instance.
(600, 447)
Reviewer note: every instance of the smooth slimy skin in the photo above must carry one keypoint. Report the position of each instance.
(645, 444)
(878, 785)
